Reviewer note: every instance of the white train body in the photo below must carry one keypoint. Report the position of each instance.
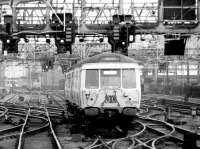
(112, 81)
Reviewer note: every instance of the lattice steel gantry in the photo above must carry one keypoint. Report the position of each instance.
(112, 18)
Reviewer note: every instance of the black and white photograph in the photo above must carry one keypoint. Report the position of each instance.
(99, 74)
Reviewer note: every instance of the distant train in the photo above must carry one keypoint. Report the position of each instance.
(104, 84)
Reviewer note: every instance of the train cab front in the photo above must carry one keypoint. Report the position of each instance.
(112, 91)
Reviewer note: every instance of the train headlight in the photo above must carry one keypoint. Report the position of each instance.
(87, 95)
(125, 94)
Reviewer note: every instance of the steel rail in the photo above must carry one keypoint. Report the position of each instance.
(15, 135)
(168, 135)
(114, 141)
(22, 131)
(52, 131)
(147, 117)
(4, 112)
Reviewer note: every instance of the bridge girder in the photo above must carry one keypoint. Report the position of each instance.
(148, 17)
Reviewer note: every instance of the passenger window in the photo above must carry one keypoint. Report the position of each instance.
(70, 80)
(110, 78)
(92, 79)
(75, 80)
(128, 78)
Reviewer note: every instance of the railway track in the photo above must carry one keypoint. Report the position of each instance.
(33, 130)
(175, 138)
(42, 127)
(36, 130)
(41, 137)
(155, 133)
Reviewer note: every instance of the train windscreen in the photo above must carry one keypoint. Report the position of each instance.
(110, 78)
(92, 79)
(128, 78)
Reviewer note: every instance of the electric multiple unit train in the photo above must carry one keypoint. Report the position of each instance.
(103, 83)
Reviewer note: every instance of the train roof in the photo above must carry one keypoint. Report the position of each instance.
(107, 58)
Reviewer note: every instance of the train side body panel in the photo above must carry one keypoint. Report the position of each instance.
(73, 86)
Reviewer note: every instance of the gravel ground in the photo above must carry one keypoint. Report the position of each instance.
(38, 141)
(8, 144)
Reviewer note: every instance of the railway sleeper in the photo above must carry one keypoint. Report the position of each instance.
(11, 129)
(9, 137)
